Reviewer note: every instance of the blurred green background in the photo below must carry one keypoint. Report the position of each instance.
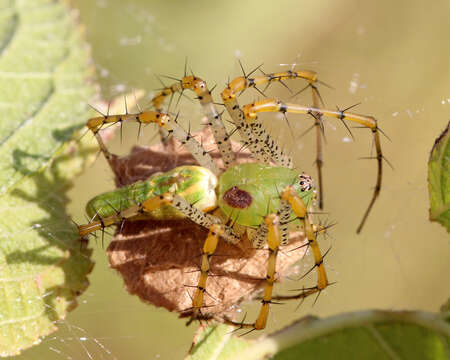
(391, 56)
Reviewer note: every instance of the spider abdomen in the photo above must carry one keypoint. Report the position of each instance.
(194, 183)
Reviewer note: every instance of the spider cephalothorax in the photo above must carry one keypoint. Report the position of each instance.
(262, 201)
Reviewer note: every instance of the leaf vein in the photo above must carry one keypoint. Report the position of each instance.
(390, 352)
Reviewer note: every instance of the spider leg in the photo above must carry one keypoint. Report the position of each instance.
(203, 93)
(100, 223)
(168, 127)
(273, 238)
(168, 143)
(299, 207)
(216, 229)
(260, 143)
(296, 203)
(318, 124)
(96, 124)
(253, 135)
(169, 198)
(273, 227)
(259, 238)
(272, 105)
(209, 247)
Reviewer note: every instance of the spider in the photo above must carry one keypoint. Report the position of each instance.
(262, 201)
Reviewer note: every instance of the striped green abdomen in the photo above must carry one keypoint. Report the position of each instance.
(194, 183)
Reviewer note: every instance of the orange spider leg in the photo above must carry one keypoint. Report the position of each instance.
(273, 105)
(171, 127)
(214, 118)
(300, 210)
(254, 135)
(95, 124)
(166, 199)
(168, 125)
(121, 215)
(241, 83)
(209, 247)
(272, 222)
(318, 124)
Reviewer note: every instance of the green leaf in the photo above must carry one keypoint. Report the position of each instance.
(43, 80)
(218, 341)
(362, 335)
(45, 85)
(439, 179)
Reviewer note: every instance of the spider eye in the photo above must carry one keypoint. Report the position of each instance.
(305, 182)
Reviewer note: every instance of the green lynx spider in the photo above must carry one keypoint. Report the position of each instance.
(240, 192)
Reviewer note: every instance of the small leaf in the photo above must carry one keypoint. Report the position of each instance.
(212, 341)
(439, 179)
(361, 335)
(45, 84)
